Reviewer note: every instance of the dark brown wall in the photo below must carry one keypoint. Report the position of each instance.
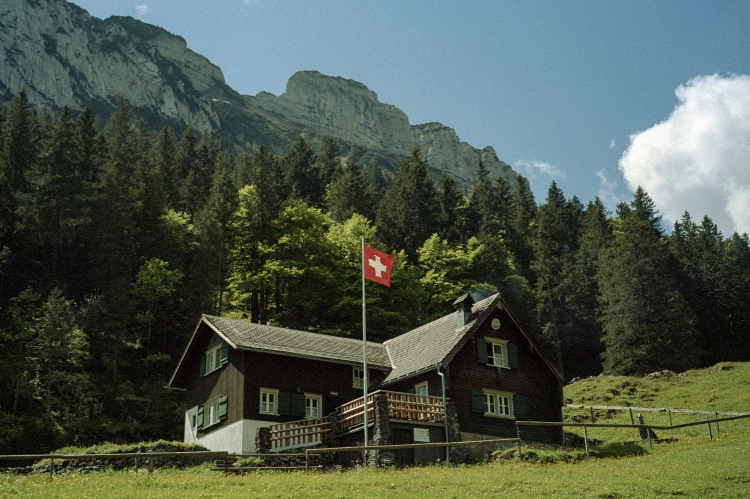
(227, 380)
(296, 375)
(532, 380)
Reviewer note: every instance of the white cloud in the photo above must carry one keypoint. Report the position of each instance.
(607, 190)
(142, 10)
(536, 168)
(698, 159)
(612, 143)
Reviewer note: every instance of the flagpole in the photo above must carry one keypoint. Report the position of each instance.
(364, 344)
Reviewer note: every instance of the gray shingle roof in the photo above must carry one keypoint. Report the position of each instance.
(249, 336)
(422, 349)
(417, 351)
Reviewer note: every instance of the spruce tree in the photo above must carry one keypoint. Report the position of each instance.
(409, 207)
(449, 200)
(347, 194)
(523, 211)
(555, 241)
(647, 323)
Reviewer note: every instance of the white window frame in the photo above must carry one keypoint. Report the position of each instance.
(271, 403)
(213, 359)
(211, 412)
(498, 404)
(313, 406)
(497, 353)
(358, 378)
(422, 388)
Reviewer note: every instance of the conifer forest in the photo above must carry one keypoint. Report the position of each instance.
(114, 239)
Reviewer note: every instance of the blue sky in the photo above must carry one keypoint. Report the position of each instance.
(599, 96)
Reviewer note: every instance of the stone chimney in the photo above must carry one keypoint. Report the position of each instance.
(462, 306)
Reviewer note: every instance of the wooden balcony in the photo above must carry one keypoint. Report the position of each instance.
(401, 406)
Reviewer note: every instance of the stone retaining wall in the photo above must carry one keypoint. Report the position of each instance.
(148, 461)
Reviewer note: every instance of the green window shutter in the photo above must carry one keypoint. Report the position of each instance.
(519, 406)
(285, 403)
(413, 389)
(477, 401)
(513, 355)
(224, 354)
(202, 368)
(482, 352)
(199, 418)
(222, 410)
(298, 405)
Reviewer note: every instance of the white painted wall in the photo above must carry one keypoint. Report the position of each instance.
(236, 438)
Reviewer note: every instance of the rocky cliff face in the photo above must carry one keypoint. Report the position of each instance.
(348, 110)
(62, 55)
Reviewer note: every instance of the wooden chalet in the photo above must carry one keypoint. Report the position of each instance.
(252, 387)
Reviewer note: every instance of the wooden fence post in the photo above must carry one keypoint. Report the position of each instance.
(586, 439)
(518, 435)
(716, 416)
(51, 466)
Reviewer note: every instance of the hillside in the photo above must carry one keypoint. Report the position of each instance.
(723, 387)
(719, 391)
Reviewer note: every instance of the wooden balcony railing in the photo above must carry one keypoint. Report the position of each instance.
(303, 433)
(403, 406)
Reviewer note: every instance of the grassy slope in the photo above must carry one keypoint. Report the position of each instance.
(691, 466)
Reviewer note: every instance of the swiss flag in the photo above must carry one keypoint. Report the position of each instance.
(378, 266)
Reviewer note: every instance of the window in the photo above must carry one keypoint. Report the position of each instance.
(269, 401)
(421, 388)
(498, 353)
(359, 377)
(498, 404)
(214, 358)
(313, 406)
(210, 413)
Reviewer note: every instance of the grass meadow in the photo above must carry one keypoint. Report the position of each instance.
(688, 465)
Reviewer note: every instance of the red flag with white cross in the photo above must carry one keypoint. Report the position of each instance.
(378, 266)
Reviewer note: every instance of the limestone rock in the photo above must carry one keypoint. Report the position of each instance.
(348, 110)
(82, 59)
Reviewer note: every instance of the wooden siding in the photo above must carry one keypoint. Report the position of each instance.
(332, 381)
(227, 381)
(532, 380)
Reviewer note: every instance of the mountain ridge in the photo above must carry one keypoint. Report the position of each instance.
(62, 55)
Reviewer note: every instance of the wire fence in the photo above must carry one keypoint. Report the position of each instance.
(645, 427)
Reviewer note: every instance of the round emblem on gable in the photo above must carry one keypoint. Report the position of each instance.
(495, 323)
